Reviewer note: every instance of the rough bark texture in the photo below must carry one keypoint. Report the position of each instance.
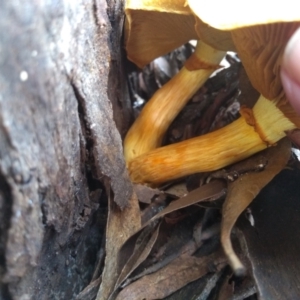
(59, 144)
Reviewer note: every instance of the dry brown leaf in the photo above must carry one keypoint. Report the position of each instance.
(121, 224)
(209, 192)
(172, 277)
(158, 203)
(165, 258)
(140, 253)
(294, 136)
(178, 190)
(226, 291)
(242, 192)
(144, 193)
(210, 285)
(90, 292)
(273, 244)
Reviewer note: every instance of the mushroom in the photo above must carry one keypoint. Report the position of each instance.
(260, 48)
(231, 14)
(154, 28)
(254, 131)
(260, 37)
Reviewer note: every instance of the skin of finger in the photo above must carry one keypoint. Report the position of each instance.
(290, 71)
(292, 90)
(291, 57)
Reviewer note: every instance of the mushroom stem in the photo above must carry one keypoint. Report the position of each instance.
(149, 128)
(254, 131)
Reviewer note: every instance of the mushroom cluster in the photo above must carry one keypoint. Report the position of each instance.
(259, 36)
(154, 28)
(259, 39)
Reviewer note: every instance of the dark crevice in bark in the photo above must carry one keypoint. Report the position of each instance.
(5, 215)
(42, 197)
(116, 20)
(118, 89)
(96, 12)
(87, 144)
(4, 292)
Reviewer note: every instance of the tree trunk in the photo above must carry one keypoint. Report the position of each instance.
(62, 109)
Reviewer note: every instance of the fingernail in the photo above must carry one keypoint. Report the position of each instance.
(292, 90)
(291, 57)
(292, 43)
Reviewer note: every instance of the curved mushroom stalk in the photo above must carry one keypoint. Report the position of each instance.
(149, 128)
(254, 131)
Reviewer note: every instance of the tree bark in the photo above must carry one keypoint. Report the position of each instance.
(63, 105)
